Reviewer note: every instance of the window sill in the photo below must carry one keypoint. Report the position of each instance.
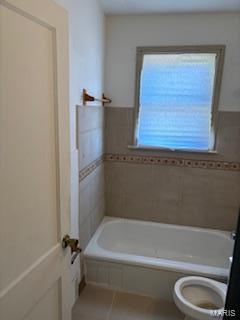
(152, 148)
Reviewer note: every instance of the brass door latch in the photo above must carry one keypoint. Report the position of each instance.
(73, 244)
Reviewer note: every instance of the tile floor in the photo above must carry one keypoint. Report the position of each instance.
(102, 304)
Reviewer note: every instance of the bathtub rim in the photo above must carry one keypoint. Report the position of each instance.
(94, 251)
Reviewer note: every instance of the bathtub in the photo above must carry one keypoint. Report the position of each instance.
(147, 257)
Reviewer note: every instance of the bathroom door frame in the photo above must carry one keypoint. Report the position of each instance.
(233, 296)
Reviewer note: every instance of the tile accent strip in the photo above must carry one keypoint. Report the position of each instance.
(90, 168)
(157, 160)
(176, 162)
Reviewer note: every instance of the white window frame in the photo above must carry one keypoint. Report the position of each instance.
(219, 50)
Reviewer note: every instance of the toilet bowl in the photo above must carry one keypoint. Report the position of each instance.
(200, 298)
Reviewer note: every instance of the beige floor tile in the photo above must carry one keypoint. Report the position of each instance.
(162, 310)
(94, 304)
(129, 307)
(101, 304)
(83, 317)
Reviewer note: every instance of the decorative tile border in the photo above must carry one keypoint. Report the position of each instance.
(176, 162)
(156, 160)
(90, 168)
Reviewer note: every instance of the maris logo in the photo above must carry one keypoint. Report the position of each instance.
(220, 313)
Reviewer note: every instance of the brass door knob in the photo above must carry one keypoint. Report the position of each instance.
(72, 243)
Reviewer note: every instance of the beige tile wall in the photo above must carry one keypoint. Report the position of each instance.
(91, 203)
(90, 134)
(187, 196)
(92, 188)
(118, 135)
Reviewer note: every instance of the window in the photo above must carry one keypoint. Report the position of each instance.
(177, 94)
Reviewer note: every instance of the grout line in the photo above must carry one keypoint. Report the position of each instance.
(111, 307)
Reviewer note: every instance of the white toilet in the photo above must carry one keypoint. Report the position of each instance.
(200, 298)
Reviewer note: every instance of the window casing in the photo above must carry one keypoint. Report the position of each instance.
(177, 96)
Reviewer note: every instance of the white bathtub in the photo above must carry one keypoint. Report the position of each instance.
(124, 251)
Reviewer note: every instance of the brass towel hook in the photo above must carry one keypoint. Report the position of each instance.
(87, 98)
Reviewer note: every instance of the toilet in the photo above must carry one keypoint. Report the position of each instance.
(200, 298)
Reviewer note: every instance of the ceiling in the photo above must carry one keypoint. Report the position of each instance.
(168, 6)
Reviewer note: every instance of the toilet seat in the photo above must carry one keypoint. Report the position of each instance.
(217, 289)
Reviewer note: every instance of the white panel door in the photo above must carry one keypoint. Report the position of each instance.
(34, 161)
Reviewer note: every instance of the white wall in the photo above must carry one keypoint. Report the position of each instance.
(87, 41)
(87, 34)
(125, 33)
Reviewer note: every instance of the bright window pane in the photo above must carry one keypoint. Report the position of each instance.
(176, 93)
